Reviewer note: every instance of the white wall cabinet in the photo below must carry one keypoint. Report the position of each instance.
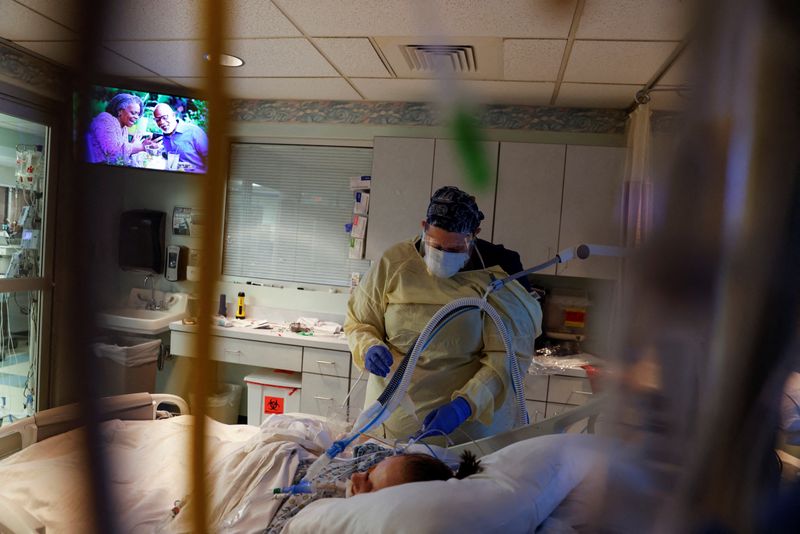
(448, 169)
(529, 186)
(591, 207)
(548, 197)
(402, 170)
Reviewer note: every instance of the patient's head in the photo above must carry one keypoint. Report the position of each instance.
(405, 468)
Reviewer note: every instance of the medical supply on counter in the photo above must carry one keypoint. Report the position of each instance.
(223, 307)
(221, 320)
(240, 314)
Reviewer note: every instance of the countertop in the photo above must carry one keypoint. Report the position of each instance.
(564, 365)
(319, 341)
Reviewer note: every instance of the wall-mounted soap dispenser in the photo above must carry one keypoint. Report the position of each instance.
(141, 240)
(176, 263)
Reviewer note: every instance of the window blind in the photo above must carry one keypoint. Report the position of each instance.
(286, 209)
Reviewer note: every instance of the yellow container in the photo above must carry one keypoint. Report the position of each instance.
(240, 314)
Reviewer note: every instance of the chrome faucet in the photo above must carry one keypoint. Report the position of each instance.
(151, 304)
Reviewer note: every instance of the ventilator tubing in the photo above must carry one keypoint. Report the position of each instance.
(395, 391)
(447, 312)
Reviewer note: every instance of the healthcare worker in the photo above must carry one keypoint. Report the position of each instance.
(462, 378)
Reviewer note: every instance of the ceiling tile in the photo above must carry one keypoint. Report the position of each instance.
(66, 53)
(18, 23)
(532, 59)
(182, 19)
(595, 95)
(167, 58)
(251, 19)
(278, 58)
(262, 57)
(528, 93)
(616, 62)
(353, 56)
(283, 88)
(63, 11)
(476, 18)
(398, 90)
(644, 20)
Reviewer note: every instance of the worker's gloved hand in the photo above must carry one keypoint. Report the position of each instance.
(378, 360)
(448, 417)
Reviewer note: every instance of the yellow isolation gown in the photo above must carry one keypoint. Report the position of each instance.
(393, 303)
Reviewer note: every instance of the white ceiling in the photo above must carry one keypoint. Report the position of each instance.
(575, 53)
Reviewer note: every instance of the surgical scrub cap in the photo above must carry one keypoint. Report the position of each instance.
(454, 210)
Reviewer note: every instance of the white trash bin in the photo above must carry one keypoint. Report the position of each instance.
(223, 404)
(271, 392)
(126, 364)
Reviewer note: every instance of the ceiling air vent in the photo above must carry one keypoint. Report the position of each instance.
(440, 58)
(472, 58)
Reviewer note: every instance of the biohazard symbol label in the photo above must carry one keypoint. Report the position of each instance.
(273, 404)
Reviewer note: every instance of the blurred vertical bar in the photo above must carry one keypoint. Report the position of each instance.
(214, 24)
(735, 474)
(76, 273)
(713, 299)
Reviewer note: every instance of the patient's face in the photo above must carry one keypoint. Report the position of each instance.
(390, 472)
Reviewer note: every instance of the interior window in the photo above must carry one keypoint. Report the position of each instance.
(286, 211)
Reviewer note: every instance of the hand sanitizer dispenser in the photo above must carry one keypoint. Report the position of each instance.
(176, 263)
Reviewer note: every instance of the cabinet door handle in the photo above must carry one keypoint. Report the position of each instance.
(326, 362)
(583, 392)
(323, 398)
(229, 351)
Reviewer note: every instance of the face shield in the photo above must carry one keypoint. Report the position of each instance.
(445, 252)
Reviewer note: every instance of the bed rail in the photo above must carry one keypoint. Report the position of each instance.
(555, 425)
(48, 423)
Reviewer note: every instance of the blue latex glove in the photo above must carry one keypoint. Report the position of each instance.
(447, 417)
(378, 360)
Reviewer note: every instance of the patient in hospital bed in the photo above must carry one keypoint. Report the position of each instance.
(372, 468)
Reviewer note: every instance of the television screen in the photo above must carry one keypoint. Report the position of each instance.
(146, 130)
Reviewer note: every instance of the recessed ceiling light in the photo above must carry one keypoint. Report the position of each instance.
(227, 60)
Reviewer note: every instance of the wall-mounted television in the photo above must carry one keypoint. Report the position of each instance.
(147, 130)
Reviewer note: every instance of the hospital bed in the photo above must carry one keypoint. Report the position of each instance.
(34, 443)
(131, 407)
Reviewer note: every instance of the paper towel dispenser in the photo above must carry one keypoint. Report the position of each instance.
(141, 240)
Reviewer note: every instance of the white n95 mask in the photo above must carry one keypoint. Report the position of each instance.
(444, 264)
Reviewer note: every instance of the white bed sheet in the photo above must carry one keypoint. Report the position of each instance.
(149, 471)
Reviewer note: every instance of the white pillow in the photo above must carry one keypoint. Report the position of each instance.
(518, 488)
